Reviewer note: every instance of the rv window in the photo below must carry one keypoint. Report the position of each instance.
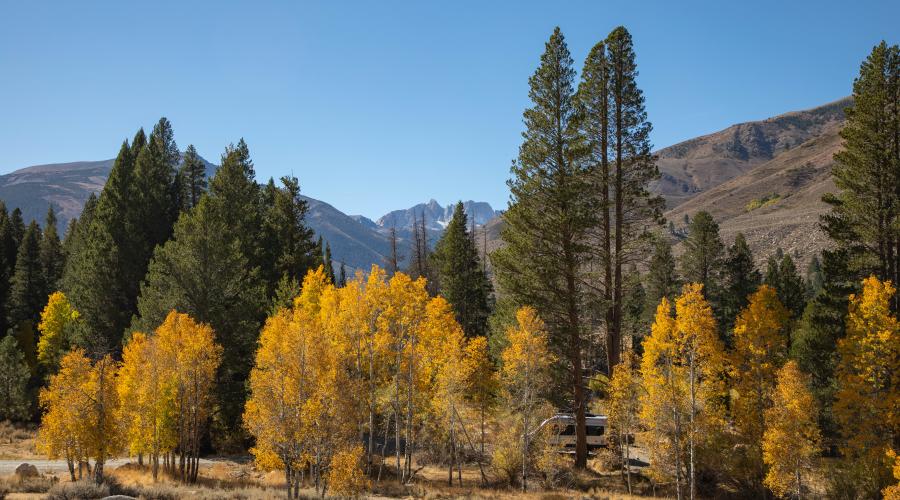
(569, 431)
(595, 430)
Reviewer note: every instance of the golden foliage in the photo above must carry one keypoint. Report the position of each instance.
(760, 348)
(683, 370)
(791, 438)
(165, 385)
(893, 492)
(345, 475)
(342, 359)
(56, 320)
(81, 411)
(868, 376)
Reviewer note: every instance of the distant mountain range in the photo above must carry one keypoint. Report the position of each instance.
(763, 178)
(357, 241)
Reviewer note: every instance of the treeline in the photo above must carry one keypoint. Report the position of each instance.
(160, 236)
(585, 245)
(92, 313)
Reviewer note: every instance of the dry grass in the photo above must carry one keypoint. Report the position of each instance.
(16, 441)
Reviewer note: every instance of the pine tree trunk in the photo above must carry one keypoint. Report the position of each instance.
(575, 359)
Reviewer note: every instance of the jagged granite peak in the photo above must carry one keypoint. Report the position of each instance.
(437, 216)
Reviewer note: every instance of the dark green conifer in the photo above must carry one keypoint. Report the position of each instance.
(864, 214)
(342, 277)
(53, 259)
(92, 283)
(822, 325)
(28, 287)
(463, 283)
(292, 245)
(193, 177)
(547, 223)
(782, 275)
(7, 265)
(740, 279)
(14, 376)
(815, 278)
(702, 258)
(662, 276)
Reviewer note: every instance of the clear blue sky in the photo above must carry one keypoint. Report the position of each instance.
(380, 105)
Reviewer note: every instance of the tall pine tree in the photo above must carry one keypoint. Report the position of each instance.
(782, 275)
(864, 214)
(634, 166)
(616, 130)
(545, 252)
(7, 264)
(202, 272)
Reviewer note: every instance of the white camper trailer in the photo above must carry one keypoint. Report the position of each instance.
(562, 430)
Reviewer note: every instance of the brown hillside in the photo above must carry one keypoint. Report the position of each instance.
(776, 204)
(696, 165)
(764, 179)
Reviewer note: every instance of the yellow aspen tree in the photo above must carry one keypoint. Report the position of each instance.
(443, 344)
(146, 387)
(55, 326)
(401, 322)
(663, 401)
(481, 388)
(64, 404)
(344, 317)
(623, 408)
(299, 410)
(791, 438)
(760, 348)
(702, 354)
(868, 376)
(85, 394)
(194, 357)
(363, 302)
(103, 432)
(526, 373)
(272, 412)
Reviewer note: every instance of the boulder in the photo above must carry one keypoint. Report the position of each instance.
(26, 471)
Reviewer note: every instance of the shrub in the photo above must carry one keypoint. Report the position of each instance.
(345, 475)
(79, 490)
(763, 202)
(506, 459)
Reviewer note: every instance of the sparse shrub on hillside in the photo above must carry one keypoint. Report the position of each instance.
(765, 201)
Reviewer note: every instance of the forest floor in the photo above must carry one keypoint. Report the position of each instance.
(235, 477)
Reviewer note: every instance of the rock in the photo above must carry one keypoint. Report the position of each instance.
(26, 471)
(118, 497)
